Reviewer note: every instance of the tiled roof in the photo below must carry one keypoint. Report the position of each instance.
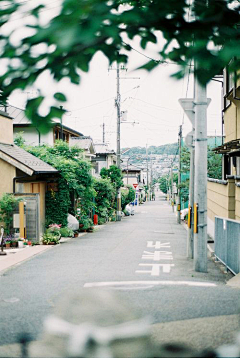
(27, 159)
(19, 119)
(82, 142)
(103, 149)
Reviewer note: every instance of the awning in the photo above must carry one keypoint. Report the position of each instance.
(227, 147)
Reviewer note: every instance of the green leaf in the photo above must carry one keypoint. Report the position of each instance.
(149, 66)
(60, 97)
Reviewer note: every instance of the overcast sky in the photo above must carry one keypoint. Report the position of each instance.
(150, 100)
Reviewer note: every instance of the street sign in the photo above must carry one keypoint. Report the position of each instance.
(135, 185)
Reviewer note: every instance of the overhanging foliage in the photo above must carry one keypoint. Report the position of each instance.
(205, 31)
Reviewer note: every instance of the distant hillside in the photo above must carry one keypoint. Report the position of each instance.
(162, 149)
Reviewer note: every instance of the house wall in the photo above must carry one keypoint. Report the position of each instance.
(220, 202)
(237, 203)
(131, 179)
(6, 129)
(7, 173)
(31, 136)
(230, 123)
(111, 160)
(238, 119)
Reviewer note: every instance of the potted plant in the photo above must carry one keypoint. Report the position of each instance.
(8, 243)
(14, 243)
(50, 239)
(66, 232)
(20, 243)
(55, 230)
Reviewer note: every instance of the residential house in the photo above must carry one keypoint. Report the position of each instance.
(224, 195)
(31, 134)
(132, 174)
(104, 158)
(86, 144)
(26, 176)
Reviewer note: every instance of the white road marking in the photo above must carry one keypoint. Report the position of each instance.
(155, 271)
(154, 283)
(158, 244)
(11, 300)
(164, 232)
(157, 255)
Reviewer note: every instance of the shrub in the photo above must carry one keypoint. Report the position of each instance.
(8, 203)
(49, 238)
(66, 232)
(54, 229)
(86, 222)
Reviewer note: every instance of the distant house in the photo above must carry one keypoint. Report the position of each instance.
(32, 135)
(132, 174)
(86, 144)
(104, 158)
(26, 176)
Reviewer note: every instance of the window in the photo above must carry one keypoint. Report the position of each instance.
(238, 166)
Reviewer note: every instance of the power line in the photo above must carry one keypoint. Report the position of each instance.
(154, 105)
(150, 58)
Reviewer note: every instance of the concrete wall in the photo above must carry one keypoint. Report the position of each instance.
(237, 203)
(6, 129)
(220, 202)
(131, 180)
(7, 173)
(31, 136)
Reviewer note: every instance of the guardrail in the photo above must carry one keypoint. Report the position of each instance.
(227, 243)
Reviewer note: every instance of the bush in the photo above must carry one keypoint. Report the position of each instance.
(8, 203)
(105, 199)
(66, 232)
(127, 197)
(49, 238)
(54, 229)
(85, 222)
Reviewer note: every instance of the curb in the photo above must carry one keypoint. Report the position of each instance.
(7, 262)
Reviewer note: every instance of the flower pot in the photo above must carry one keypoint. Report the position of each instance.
(8, 245)
(20, 244)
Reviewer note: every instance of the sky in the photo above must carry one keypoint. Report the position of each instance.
(149, 100)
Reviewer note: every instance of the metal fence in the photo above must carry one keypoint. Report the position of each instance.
(227, 243)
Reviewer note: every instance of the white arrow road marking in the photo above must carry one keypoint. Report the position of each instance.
(155, 271)
(157, 255)
(158, 245)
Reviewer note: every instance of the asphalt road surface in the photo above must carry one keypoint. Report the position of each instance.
(143, 257)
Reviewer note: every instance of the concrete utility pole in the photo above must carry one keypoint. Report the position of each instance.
(200, 188)
(189, 107)
(179, 175)
(190, 231)
(103, 132)
(118, 105)
(172, 196)
(147, 169)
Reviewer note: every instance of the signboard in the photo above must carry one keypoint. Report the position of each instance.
(135, 185)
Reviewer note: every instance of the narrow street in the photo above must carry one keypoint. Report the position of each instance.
(144, 258)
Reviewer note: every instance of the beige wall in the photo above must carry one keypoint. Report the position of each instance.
(221, 200)
(230, 123)
(6, 129)
(238, 119)
(237, 204)
(7, 173)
